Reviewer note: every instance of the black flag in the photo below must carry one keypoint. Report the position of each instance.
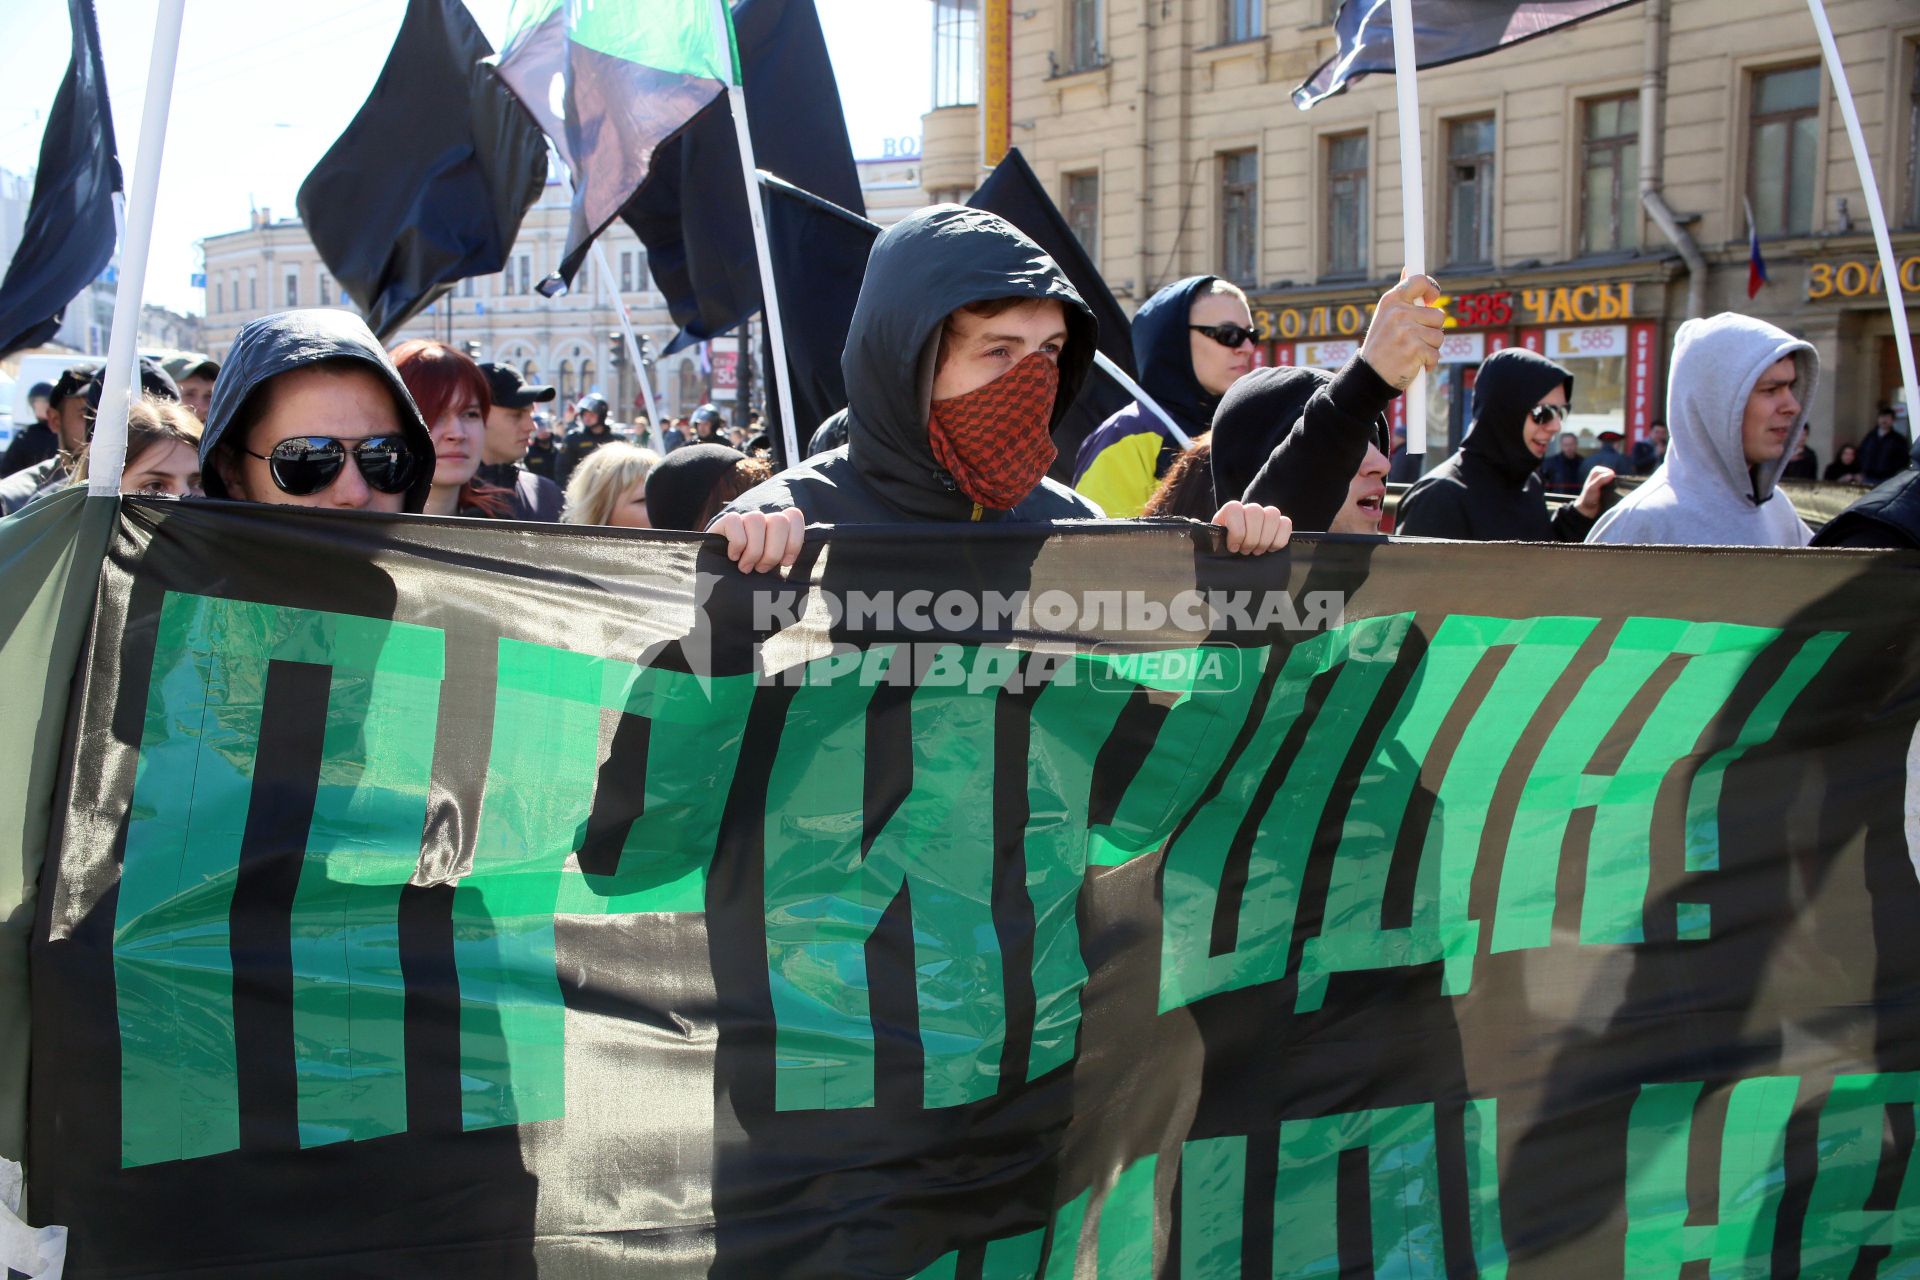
(1014, 192)
(429, 183)
(1444, 31)
(819, 259)
(70, 233)
(691, 212)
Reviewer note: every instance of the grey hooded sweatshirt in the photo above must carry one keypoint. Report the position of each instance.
(1705, 494)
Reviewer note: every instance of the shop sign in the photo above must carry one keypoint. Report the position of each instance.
(1592, 343)
(1326, 355)
(1496, 309)
(1859, 278)
(1463, 348)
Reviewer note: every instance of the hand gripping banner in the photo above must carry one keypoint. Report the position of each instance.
(445, 898)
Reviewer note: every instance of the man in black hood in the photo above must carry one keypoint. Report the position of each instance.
(310, 412)
(1315, 444)
(967, 346)
(1489, 491)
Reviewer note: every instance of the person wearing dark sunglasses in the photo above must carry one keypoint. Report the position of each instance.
(1491, 490)
(1191, 341)
(309, 411)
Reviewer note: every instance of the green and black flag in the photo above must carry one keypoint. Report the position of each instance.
(633, 74)
(1009, 902)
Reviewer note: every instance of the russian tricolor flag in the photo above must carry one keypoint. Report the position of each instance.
(1756, 265)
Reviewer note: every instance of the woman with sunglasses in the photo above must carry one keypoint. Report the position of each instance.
(310, 412)
(1191, 341)
(1490, 491)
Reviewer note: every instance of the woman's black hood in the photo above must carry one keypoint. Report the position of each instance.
(1509, 384)
(924, 268)
(273, 345)
(1163, 352)
(1255, 416)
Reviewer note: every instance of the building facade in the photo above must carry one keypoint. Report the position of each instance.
(571, 342)
(1167, 134)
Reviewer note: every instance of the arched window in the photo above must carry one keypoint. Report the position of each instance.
(566, 380)
(586, 376)
(530, 371)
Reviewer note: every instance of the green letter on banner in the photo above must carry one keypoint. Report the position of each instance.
(824, 899)
(548, 710)
(1403, 1177)
(173, 969)
(1351, 935)
(1618, 867)
(1213, 1206)
(1752, 1176)
(1853, 1138)
(1196, 860)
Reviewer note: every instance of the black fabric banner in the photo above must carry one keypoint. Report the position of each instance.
(445, 898)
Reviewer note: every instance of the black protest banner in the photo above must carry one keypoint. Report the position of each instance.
(450, 898)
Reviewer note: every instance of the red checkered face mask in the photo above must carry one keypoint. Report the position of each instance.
(993, 440)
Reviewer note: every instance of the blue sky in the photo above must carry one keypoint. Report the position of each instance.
(265, 86)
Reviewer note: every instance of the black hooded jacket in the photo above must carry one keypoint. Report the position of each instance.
(277, 344)
(1292, 438)
(1887, 517)
(1489, 491)
(922, 270)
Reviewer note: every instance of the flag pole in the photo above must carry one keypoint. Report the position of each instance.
(1863, 161)
(107, 455)
(1139, 393)
(1413, 196)
(769, 296)
(605, 268)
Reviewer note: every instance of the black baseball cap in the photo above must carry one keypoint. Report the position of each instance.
(72, 381)
(511, 391)
(153, 379)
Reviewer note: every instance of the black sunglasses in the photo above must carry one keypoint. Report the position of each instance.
(1227, 335)
(305, 465)
(1545, 413)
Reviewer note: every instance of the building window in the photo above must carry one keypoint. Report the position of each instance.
(253, 289)
(292, 279)
(1470, 190)
(526, 274)
(1240, 20)
(1610, 174)
(1781, 151)
(586, 376)
(1239, 214)
(1347, 204)
(956, 53)
(466, 287)
(326, 289)
(626, 271)
(1083, 34)
(219, 296)
(1083, 211)
(640, 271)
(565, 381)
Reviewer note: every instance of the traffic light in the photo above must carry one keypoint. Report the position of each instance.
(616, 354)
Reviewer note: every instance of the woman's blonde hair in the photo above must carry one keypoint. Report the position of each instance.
(601, 480)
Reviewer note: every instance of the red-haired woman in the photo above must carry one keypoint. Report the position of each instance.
(453, 398)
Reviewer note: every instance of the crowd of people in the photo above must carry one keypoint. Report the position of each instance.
(968, 345)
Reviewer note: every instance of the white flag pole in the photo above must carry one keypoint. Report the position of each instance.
(107, 455)
(1863, 161)
(605, 269)
(770, 298)
(1139, 393)
(1413, 196)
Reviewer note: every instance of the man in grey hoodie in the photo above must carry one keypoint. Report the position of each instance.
(1736, 408)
